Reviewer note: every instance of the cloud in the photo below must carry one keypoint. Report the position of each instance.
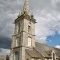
(4, 51)
(48, 24)
(8, 12)
(5, 42)
(46, 12)
(57, 46)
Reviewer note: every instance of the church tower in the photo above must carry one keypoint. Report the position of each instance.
(24, 34)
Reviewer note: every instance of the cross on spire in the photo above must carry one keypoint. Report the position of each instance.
(25, 8)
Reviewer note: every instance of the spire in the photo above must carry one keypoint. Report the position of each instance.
(25, 8)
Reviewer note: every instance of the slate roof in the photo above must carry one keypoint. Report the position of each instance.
(57, 51)
(42, 50)
(33, 53)
(46, 50)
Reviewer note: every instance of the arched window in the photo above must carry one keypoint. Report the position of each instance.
(17, 42)
(7, 57)
(29, 41)
(53, 56)
(18, 27)
(16, 55)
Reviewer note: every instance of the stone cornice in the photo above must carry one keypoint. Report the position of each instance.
(28, 17)
(21, 32)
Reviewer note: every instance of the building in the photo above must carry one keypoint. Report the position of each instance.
(24, 45)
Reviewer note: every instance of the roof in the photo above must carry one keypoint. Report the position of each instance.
(57, 51)
(33, 53)
(47, 50)
(42, 50)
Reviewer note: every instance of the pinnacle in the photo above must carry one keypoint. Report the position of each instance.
(25, 8)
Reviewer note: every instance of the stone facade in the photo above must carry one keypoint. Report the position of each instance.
(24, 45)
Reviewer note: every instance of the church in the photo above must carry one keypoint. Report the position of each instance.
(24, 45)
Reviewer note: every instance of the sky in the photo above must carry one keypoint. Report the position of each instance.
(46, 13)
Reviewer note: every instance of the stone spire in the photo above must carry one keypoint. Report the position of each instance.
(25, 9)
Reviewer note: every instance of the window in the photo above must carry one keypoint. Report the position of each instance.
(16, 55)
(29, 29)
(29, 42)
(18, 27)
(20, 42)
(53, 56)
(7, 57)
(17, 42)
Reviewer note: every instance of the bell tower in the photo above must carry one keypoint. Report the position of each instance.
(24, 34)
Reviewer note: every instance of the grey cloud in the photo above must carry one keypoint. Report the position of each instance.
(5, 42)
(8, 5)
(9, 10)
(6, 26)
(4, 51)
(40, 4)
(0, 50)
(58, 6)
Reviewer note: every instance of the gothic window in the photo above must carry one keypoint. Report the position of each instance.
(16, 55)
(20, 40)
(18, 27)
(29, 41)
(17, 42)
(7, 57)
(29, 29)
(53, 56)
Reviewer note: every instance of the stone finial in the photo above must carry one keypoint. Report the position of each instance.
(25, 9)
